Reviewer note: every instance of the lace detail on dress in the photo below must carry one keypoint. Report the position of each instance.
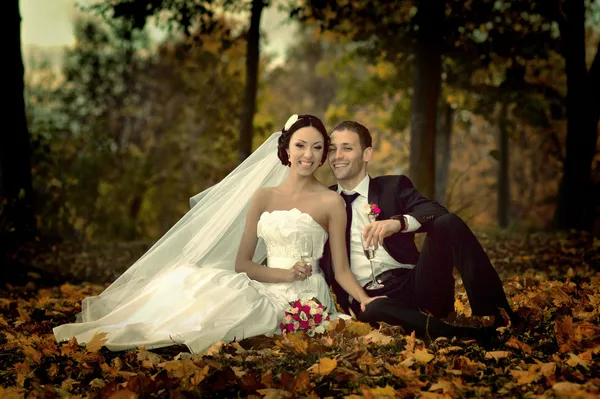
(281, 232)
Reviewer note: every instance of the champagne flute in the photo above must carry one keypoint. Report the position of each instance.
(306, 248)
(370, 254)
(306, 252)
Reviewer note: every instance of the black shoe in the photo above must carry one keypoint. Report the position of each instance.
(488, 338)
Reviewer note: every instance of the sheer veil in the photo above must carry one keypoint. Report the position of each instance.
(208, 235)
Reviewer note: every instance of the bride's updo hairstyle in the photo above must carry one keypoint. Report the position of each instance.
(295, 123)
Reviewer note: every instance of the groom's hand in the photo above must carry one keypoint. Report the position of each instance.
(375, 232)
(365, 302)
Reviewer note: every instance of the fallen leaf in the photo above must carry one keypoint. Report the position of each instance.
(324, 366)
(497, 355)
(422, 356)
(270, 393)
(96, 342)
(358, 328)
(376, 337)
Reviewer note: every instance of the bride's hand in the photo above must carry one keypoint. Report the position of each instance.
(365, 302)
(300, 271)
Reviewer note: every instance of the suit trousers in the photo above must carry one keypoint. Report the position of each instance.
(429, 286)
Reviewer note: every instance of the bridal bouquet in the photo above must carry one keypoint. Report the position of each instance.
(305, 314)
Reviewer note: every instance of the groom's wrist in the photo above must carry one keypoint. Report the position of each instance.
(402, 220)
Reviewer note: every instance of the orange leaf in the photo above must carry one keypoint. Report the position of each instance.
(324, 366)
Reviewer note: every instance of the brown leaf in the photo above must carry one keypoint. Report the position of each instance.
(375, 337)
(302, 382)
(214, 349)
(96, 342)
(294, 341)
(514, 343)
(525, 377)
(497, 354)
(570, 390)
(123, 394)
(270, 393)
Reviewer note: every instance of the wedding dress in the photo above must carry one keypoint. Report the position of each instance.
(197, 306)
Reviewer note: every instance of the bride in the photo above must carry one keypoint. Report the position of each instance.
(204, 280)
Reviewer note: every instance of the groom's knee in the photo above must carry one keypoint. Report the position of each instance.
(373, 312)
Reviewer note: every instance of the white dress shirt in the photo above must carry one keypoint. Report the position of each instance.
(359, 264)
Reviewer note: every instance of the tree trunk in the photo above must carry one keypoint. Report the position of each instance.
(15, 146)
(252, 59)
(503, 169)
(442, 151)
(426, 89)
(574, 207)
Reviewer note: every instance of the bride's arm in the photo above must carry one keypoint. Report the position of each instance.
(337, 244)
(243, 261)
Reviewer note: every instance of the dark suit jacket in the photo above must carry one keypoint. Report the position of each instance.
(395, 195)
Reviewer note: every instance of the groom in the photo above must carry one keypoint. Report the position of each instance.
(412, 280)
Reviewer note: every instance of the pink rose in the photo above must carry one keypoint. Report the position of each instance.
(319, 310)
(288, 318)
(296, 317)
(294, 310)
(376, 210)
(290, 327)
(311, 322)
(318, 318)
(304, 325)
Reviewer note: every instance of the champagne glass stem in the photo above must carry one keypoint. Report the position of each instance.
(372, 272)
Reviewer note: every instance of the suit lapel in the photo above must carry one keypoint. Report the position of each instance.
(373, 192)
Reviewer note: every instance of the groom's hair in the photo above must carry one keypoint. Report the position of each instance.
(286, 135)
(364, 136)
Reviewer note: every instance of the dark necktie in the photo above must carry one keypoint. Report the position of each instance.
(349, 198)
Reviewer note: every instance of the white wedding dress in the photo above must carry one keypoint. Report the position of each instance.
(197, 306)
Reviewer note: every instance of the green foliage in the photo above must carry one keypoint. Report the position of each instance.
(129, 131)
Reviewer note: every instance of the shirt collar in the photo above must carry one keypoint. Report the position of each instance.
(362, 188)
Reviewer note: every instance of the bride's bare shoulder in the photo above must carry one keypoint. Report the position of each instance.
(331, 198)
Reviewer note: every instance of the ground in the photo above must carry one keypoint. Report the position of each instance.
(551, 279)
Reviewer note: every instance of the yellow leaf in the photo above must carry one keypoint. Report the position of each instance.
(358, 328)
(380, 392)
(442, 385)
(421, 355)
(525, 377)
(324, 366)
(96, 342)
(575, 361)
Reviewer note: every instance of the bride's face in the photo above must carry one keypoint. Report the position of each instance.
(306, 150)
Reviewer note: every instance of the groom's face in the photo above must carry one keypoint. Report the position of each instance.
(347, 159)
